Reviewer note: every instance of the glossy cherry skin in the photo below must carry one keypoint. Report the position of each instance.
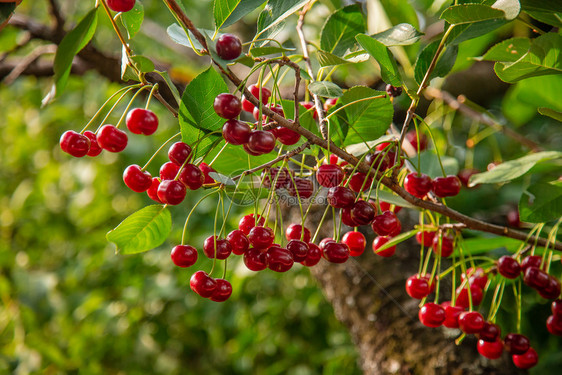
(206, 170)
(336, 252)
(446, 248)
(556, 307)
(509, 267)
(261, 237)
(298, 249)
(531, 261)
(379, 160)
(417, 287)
(261, 142)
(239, 241)
(393, 91)
(360, 182)
(179, 152)
(222, 292)
(526, 360)
(294, 232)
(363, 212)
(425, 238)
(418, 184)
(347, 219)
(121, 5)
(340, 197)
(74, 143)
(446, 186)
(329, 175)
(385, 206)
(95, 148)
(301, 187)
(247, 222)
(277, 108)
(255, 259)
(491, 332)
(452, 314)
(465, 174)
(378, 242)
(255, 91)
(552, 289)
(314, 255)
(536, 278)
(191, 176)
(412, 137)
(308, 106)
(471, 322)
(184, 255)
(516, 343)
(171, 192)
(280, 177)
(287, 136)
(228, 47)
(202, 284)
(141, 121)
(329, 103)
(216, 247)
(112, 139)
(386, 224)
(356, 242)
(169, 171)
(227, 106)
(476, 276)
(136, 179)
(152, 191)
(324, 242)
(490, 349)
(476, 295)
(554, 325)
(279, 259)
(236, 132)
(431, 315)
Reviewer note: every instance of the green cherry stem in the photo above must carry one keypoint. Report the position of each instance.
(159, 149)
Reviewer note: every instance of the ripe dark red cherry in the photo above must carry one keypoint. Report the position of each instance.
(171, 192)
(74, 143)
(112, 139)
(261, 142)
(446, 248)
(531, 261)
(446, 186)
(336, 252)
(277, 108)
(206, 169)
(248, 222)
(513, 219)
(516, 343)
(526, 360)
(324, 242)
(359, 182)
(238, 241)
(386, 224)
(490, 349)
(412, 137)
(215, 247)
(552, 289)
(385, 206)
(261, 237)
(179, 152)
(363, 212)
(153, 190)
(452, 314)
(417, 287)
(298, 249)
(476, 276)
(425, 238)
(347, 219)
(301, 187)
(95, 148)
(465, 174)
(228, 47)
(287, 136)
(222, 292)
(379, 161)
(121, 5)
(536, 278)
(141, 121)
(476, 295)
(191, 176)
(169, 170)
(431, 315)
(279, 259)
(314, 255)
(227, 106)
(417, 184)
(378, 242)
(236, 132)
(471, 322)
(255, 259)
(554, 325)
(393, 91)
(202, 284)
(509, 267)
(329, 175)
(294, 232)
(281, 177)
(255, 91)
(184, 255)
(340, 197)
(556, 307)
(136, 179)
(356, 242)
(491, 332)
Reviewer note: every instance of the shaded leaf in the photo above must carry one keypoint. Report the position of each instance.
(178, 35)
(325, 89)
(444, 64)
(385, 59)
(551, 113)
(470, 13)
(429, 164)
(275, 12)
(328, 59)
(338, 33)
(6, 10)
(549, 12)
(541, 202)
(269, 50)
(400, 35)
(142, 63)
(228, 12)
(399, 11)
(132, 20)
(391, 198)
(234, 160)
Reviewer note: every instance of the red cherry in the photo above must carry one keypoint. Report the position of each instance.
(491, 332)
(222, 292)
(536, 278)
(476, 295)
(153, 190)
(513, 219)
(531, 261)
(363, 212)
(287, 136)
(227, 106)
(324, 242)
(255, 91)
(379, 242)
(280, 176)
(141, 121)
(509, 267)
(425, 238)
(386, 224)
(417, 287)
(471, 322)
(238, 241)
(552, 290)
(215, 247)
(516, 343)
(121, 5)
(294, 232)
(308, 106)
(476, 276)
(261, 142)
(249, 151)
(417, 184)
(556, 307)
(490, 349)
(206, 169)
(447, 245)
(171, 192)
(393, 91)
(228, 47)
(347, 219)
(340, 197)
(329, 103)
(74, 143)
(356, 242)
(202, 284)
(301, 187)
(431, 315)
(359, 182)
(412, 138)
(314, 255)
(554, 324)
(236, 132)
(336, 252)
(452, 314)
(277, 108)
(191, 176)
(279, 259)
(255, 259)
(95, 148)
(379, 161)
(298, 249)
(385, 206)
(446, 186)
(184, 255)
(261, 237)
(248, 222)
(329, 175)
(136, 179)
(526, 360)
(112, 139)
(465, 174)
(179, 152)
(169, 171)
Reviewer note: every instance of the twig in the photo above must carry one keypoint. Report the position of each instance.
(182, 17)
(28, 60)
(54, 8)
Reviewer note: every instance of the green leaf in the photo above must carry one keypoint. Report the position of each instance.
(6, 10)
(328, 59)
(142, 231)
(512, 169)
(387, 63)
(464, 32)
(269, 50)
(275, 12)
(234, 160)
(541, 202)
(364, 120)
(508, 50)
(142, 63)
(429, 164)
(228, 12)
(549, 12)
(470, 13)
(483, 245)
(551, 113)
(325, 89)
(72, 43)
(444, 64)
(178, 35)
(398, 239)
(391, 198)
(225, 180)
(338, 33)
(399, 11)
(132, 20)
(400, 35)
(511, 8)
(196, 115)
(305, 117)
(171, 85)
